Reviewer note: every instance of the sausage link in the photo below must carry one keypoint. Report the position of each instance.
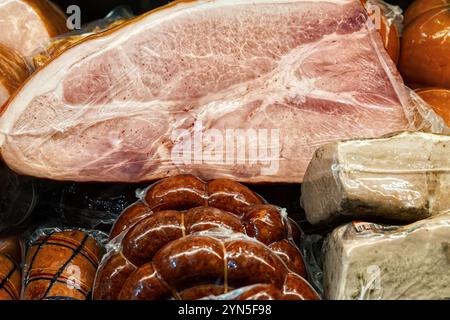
(111, 276)
(150, 234)
(231, 196)
(296, 287)
(129, 217)
(250, 262)
(204, 218)
(177, 193)
(261, 292)
(265, 223)
(294, 231)
(291, 256)
(144, 284)
(201, 291)
(191, 260)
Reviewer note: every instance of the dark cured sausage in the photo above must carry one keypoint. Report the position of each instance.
(261, 292)
(296, 287)
(291, 256)
(149, 235)
(145, 238)
(231, 196)
(201, 291)
(145, 284)
(177, 193)
(196, 259)
(129, 217)
(264, 223)
(187, 191)
(113, 272)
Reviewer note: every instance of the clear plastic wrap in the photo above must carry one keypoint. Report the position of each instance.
(177, 207)
(289, 291)
(388, 20)
(372, 261)
(438, 99)
(402, 177)
(196, 266)
(10, 268)
(424, 59)
(13, 72)
(28, 24)
(61, 43)
(165, 93)
(61, 264)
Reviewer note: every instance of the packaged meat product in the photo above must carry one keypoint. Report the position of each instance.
(141, 241)
(418, 7)
(294, 288)
(424, 59)
(438, 99)
(388, 21)
(11, 246)
(10, 279)
(61, 265)
(250, 103)
(402, 177)
(30, 24)
(61, 43)
(13, 72)
(10, 272)
(370, 261)
(217, 259)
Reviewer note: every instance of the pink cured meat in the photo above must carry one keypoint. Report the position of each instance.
(176, 90)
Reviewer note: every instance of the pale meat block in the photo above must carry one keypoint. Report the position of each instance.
(404, 177)
(369, 261)
(242, 89)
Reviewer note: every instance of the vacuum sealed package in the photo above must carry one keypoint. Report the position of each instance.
(388, 21)
(151, 98)
(13, 72)
(402, 177)
(294, 288)
(62, 42)
(10, 268)
(177, 207)
(29, 24)
(372, 261)
(198, 265)
(61, 264)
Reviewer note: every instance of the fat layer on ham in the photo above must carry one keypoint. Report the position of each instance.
(238, 89)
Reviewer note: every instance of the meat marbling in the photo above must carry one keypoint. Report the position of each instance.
(181, 90)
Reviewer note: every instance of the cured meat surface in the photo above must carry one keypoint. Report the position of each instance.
(29, 24)
(13, 72)
(238, 89)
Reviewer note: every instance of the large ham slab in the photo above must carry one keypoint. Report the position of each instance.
(242, 89)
